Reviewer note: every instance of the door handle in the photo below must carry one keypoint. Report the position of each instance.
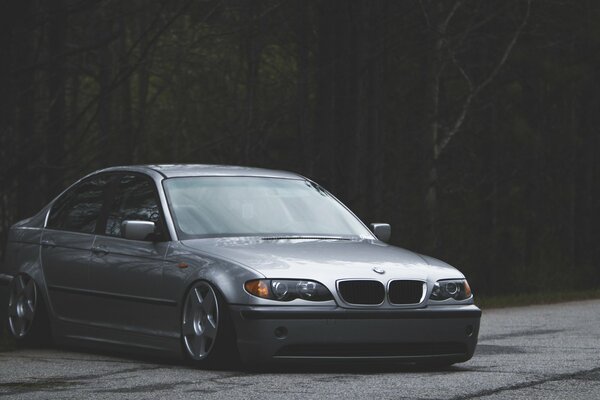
(100, 250)
(48, 243)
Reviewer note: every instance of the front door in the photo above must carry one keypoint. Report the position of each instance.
(127, 274)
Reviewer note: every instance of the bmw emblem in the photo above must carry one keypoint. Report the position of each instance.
(380, 271)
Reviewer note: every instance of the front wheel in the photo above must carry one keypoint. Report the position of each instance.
(28, 321)
(206, 328)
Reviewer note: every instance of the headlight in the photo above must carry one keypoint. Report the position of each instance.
(287, 290)
(457, 289)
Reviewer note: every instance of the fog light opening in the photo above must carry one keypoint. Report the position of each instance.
(281, 332)
(469, 330)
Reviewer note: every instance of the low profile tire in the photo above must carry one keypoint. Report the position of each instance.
(206, 329)
(28, 321)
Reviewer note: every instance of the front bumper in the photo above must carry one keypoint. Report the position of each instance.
(436, 333)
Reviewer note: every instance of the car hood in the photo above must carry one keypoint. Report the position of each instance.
(325, 260)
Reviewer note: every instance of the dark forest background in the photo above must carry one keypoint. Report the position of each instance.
(471, 126)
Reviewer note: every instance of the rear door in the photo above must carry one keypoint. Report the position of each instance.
(128, 273)
(66, 247)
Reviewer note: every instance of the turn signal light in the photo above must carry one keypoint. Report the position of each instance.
(258, 288)
(467, 289)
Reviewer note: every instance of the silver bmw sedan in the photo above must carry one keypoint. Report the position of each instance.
(215, 263)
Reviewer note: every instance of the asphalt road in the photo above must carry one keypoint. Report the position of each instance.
(537, 352)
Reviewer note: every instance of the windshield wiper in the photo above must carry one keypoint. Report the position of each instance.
(284, 237)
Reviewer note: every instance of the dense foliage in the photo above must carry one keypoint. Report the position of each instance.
(471, 126)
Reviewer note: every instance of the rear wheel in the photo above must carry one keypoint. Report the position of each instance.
(206, 328)
(27, 316)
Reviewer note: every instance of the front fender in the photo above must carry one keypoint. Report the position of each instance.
(184, 268)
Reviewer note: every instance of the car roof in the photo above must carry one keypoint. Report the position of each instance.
(187, 170)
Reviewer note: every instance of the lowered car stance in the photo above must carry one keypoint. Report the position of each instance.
(212, 263)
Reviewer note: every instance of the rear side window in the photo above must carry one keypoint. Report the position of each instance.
(79, 209)
(134, 199)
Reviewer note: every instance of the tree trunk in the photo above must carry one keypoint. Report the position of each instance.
(252, 57)
(105, 149)
(127, 134)
(530, 250)
(27, 148)
(436, 69)
(345, 145)
(431, 197)
(7, 112)
(573, 132)
(143, 80)
(57, 82)
(324, 125)
(375, 157)
(304, 136)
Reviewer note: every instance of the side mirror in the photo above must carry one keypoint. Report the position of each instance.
(138, 230)
(381, 231)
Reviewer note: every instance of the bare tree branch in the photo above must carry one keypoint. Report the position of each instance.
(463, 73)
(507, 51)
(475, 90)
(444, 25)
(425, 14)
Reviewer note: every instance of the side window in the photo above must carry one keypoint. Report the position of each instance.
(134, 199)
(78, 210)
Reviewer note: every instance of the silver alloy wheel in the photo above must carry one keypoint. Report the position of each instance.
(21, 305)
(200, 320)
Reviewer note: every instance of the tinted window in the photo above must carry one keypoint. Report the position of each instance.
(78, 209)
(134, 199)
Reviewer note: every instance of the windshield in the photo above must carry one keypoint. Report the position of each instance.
(251, 206)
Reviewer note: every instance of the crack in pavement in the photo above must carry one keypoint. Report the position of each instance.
(54, 359)
(483, 349)
(530, 384)
(118, 359)
(46, 385)
(145, 388)
(219, 380)
(59, 383)
(523, 333)
(113, 373)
